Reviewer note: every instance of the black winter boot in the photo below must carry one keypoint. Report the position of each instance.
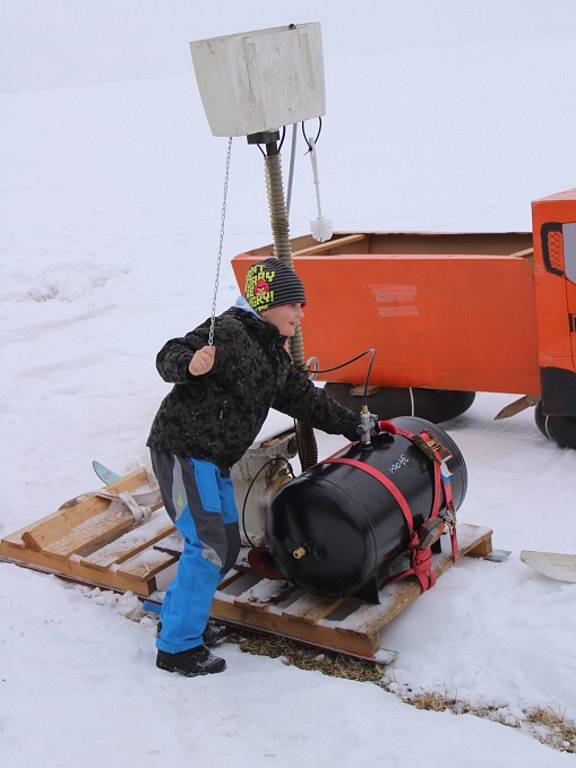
(196, 661)
(213, 635)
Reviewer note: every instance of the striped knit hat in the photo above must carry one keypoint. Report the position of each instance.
(271, 283)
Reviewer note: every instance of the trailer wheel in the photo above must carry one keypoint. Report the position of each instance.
(436, 405)
(560, 429)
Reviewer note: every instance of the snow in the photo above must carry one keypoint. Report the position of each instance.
(441, 116)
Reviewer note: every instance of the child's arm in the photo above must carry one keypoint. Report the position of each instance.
(300, 399)
(188, 358)
(173, 360)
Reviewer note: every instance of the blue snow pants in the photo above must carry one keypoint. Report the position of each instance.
(201, 504)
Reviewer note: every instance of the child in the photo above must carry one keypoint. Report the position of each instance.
(220, 399)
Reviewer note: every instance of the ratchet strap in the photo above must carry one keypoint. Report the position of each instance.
(419, 546)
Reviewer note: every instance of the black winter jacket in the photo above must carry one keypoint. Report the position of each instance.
(218, 415)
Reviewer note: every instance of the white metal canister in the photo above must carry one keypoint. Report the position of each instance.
(261, 80)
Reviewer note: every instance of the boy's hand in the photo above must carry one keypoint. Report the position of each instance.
(202, 361)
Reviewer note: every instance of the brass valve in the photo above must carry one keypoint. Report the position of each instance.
(299, 553)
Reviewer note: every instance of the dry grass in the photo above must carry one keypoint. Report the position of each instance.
(433, 700)
(297, 655)
(552, 727)
(546, 724)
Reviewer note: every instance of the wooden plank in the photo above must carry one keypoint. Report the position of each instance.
(230, 579)
(370, 619)
(483, 548)
(327, 246)
(98, 530)
(278, 623)
(157, 531)
(311, 608)
(55, 526)
(78, 571)
(145, 564)
(264, 593)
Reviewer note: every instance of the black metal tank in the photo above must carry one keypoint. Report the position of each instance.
(335, 528)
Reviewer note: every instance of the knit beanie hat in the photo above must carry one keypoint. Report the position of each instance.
(271, 283)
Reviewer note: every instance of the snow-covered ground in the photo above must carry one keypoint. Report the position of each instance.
(441, 116)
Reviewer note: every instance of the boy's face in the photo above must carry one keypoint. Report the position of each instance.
(285, 317)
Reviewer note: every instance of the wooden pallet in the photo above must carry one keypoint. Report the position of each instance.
(95, 541)
(92, 540)
(346, 624)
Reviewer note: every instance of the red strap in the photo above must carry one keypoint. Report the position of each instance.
(449, 499)
(420, 566)
(420, 559)
(437, 488)
(439, 482)
(390, 486)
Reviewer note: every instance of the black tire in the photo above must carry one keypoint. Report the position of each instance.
(436, 405)
(560, 429)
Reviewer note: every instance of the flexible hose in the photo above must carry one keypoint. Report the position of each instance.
(305, 439)
(277, 207)
(307, 446)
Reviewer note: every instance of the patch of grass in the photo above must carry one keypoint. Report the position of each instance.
(546, 724)
(437, 702)
(552, 727)
(303, 657)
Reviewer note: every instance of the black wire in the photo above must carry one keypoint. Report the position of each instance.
(262, 468)
(348, 362)
(369, 371)
(317, 135)
(279, 145)
(370, 351)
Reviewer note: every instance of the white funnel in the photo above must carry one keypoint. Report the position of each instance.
(259, 81)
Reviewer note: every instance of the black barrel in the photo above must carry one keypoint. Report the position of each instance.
(335, 528)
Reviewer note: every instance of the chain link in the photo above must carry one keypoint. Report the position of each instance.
(220, 245)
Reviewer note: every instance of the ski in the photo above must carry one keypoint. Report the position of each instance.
(555, 565)
(106, 475)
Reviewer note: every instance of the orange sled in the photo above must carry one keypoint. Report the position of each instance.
(491, 312)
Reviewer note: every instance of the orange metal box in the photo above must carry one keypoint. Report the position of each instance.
(491, 312)
(443, 311)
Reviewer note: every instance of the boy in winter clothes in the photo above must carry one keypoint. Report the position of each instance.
(220, 399)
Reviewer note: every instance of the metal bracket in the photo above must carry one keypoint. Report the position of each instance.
(263, 137)
(434, 450)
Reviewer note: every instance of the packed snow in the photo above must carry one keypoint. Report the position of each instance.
(441, 116)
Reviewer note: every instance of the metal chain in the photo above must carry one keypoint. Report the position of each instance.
(219, 260)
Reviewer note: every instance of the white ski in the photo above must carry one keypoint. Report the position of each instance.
(555, 565)
(106, 475)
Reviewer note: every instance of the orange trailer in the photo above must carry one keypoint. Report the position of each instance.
(490, 312)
